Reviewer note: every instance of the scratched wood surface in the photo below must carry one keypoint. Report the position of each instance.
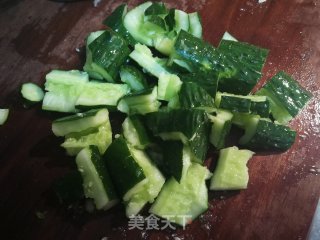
(37, 36)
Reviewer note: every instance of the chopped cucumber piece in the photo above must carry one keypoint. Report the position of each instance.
(87, 66)
(231, 102)
(32, 92)
(135, 177)
(101, 94)
(133, 22)
(143, 56)
(231, 172)
(157, 8)
(191, 126)
(101, 137)
(182, 202)
(140, 102)
(286, 97)
(177, 158)
(64, 88)
(135, 132)
(109, 51)
(168, 86)
(229, 37)
(247, 60)
(220, 128)
(80, 122)
(192, 95)
(116, 22)
(133, 77)
(195, 24)
(266, 135)
(4, 113)
(181, 20)
(207, 80)
(96, 180)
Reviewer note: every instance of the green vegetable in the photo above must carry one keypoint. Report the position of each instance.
(101, 94)
(80, 122)
(116, 22)
(220, 128)
(193, 95)
(143, 56)
(168, 86)
(233, 102)
(133, 77)
(64, 88)
(231, 172)
(32, 92)
(182, 202)
(100, 136)
(266, 135)
(135, 132)
(195, 24)
(286, 97)
(4, 113)
(191, 126)
(247, 60)
(96, 180)
(135, 177)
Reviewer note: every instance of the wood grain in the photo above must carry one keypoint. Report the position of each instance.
(36, 36)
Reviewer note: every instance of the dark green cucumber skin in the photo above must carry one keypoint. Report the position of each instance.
(248, 61)
(75, 117)
(115, 22)
(224, 133)
(157, 21)
(135, 73)
(193, 123)
(199, 55)
(69, 188)
(271, 136)
(292, 96)
(140, 128)
(235, 104)
(172, 157)
(124, 170)
(157, 8)
(102, 171)
(192, 95)
(109, 51)
(260, 108)
(207, 80)
(169, 19)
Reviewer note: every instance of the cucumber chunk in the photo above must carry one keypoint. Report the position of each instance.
(231, 172)
(32, 92)
(135, 132)
(182, 202)
(96, 180)
(168, 86)
(100, 137)
(101, 94)
(136, 178)
(286, 97)
(4, 113)
(195, 24)
(80, 122)
(143, 56)
(140, 102)
(133, 77)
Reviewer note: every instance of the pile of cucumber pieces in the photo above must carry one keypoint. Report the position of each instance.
(180, 94)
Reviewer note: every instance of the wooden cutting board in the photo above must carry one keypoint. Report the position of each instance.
(37, 36)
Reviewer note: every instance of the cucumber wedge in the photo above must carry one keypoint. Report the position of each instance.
(4, 113)
(168, 86)
(96, 181)
(182, 202)
(231, 172)
(80, 122)
(32, 92)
